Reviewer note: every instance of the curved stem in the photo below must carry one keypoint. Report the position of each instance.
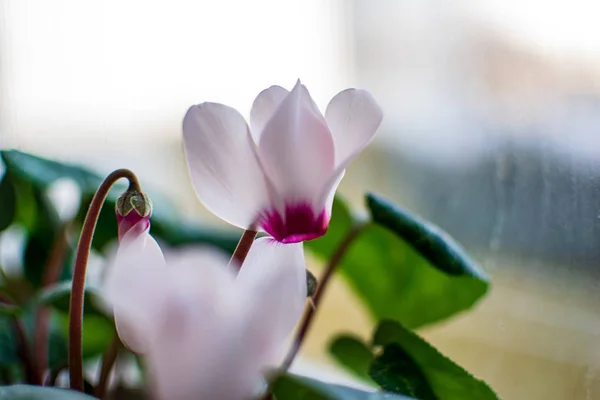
(110, 356)
(79, 271)
(52, 271)
(243, 247)
(311, 308)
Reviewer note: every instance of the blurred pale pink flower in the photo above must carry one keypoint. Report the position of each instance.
(204, 332)
(283, 172)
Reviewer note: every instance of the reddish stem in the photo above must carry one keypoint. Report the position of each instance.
(42, 317)
(31, 372)
(79, 271)
(243, 247)
(110, 356)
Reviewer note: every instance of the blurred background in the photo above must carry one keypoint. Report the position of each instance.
(491, 130)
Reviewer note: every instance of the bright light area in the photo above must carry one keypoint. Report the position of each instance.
(75, 71)
(558, 27)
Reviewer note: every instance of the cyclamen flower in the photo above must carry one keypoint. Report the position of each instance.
(205, 333)
(281, 173)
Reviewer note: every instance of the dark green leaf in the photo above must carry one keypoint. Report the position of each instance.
(9, 309)
(27, 207)
(8, 202)
(59, 295)
(294, 387)
(411, 365)
(433, 244)
(43, 234)
(397, 372)
(8, 348)
(28, 392)
(176, 232)
(43, 172)
(392, 278)
(353, 354)
(98, 331)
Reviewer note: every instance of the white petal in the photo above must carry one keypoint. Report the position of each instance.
(353, 117)
(202, 341)
(222, 162)
(296, 148)
(264, 107)
(330, 190)
(273, 277)
(134, 288)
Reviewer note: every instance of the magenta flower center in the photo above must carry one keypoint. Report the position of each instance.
(298, 224)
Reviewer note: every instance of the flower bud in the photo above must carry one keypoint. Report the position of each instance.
(133, 209)
(311, 283)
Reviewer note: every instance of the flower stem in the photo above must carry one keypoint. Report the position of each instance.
(79, 271)
(108, 360)
(52, 271)
(243, 247)
(311, 309)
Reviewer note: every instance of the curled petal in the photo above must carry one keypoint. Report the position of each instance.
(353, 117)
(264, 107)
(330, 189)
(296, 149)
(222, 163)
(273, 278)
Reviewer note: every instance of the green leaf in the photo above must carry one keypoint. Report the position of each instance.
(353, 354)
(433, 244)
(294, 387)
(27, 207)
(59, 296)
(42, 172)
(410, 365)
(37, 253)
(30, 392)
(98, 328)
(98, 331)
(8, 202)
(393, 279)
(8, 348)
(396, 371)
(9, 309)
(177, 232)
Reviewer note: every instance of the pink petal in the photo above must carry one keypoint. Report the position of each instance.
(223, 165)
(296, 149)
(264, 107)
(353, 117)
(134, 288)
(273, 278)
